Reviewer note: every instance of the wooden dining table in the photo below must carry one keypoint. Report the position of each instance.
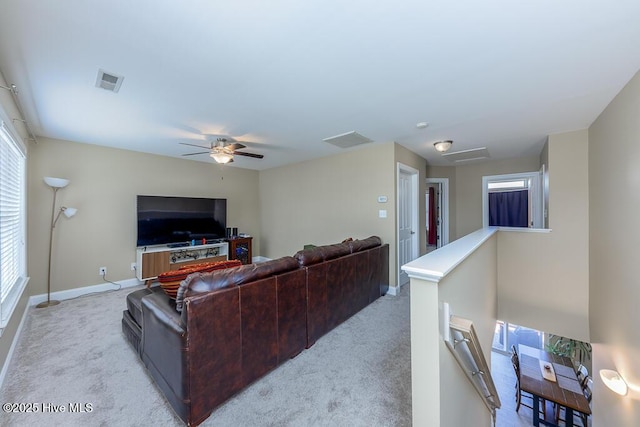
(565, 391)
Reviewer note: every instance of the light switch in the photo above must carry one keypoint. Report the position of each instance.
(382, 213)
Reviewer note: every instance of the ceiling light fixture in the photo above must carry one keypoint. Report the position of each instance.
(443, 146)
(614, 381)
(221, 157)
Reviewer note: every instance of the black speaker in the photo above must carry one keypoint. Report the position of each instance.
(234, 233)
(228, 232)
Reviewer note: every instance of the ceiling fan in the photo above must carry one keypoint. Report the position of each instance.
(222, 150)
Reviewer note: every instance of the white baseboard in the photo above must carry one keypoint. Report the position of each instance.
(257, 259)
(393, 290)
(16, 338)
(77, 292)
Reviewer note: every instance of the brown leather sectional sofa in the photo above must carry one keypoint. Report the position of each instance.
(230, 327)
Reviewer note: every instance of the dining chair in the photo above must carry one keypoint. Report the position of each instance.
(582, 373)
(588, 393)
(515, 361)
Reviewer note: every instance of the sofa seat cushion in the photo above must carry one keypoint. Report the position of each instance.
(170, 280)
(134, 302)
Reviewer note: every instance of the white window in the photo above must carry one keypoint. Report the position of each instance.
(532, 181)
(13, 272)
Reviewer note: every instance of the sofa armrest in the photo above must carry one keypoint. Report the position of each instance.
(164, 348)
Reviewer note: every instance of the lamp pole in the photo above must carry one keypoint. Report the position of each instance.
(50, 302)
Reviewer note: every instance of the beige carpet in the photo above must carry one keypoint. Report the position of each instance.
(75, 354)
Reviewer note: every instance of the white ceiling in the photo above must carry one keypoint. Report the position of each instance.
(285, 74)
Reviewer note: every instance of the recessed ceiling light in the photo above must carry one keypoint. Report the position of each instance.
(422, 125)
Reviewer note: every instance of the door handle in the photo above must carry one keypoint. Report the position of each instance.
(413, 232)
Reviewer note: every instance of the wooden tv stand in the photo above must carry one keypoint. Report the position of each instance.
(240, 248)
(153, 260)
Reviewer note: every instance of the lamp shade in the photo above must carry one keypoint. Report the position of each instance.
(69, 212)
(56, 182)
(443, 146)
(614, 381)
(221, 157)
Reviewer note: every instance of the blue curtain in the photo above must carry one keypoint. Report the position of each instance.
(509, 209)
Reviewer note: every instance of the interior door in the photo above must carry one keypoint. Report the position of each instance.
(439, 221)
(432, 218)
(406, 228)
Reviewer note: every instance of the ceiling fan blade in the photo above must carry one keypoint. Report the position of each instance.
(194, 145)
(193, 154)
(235, 146)
(255, 156)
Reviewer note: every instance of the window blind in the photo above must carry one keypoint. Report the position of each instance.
(12, 221)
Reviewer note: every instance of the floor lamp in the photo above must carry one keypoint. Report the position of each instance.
(55, 184)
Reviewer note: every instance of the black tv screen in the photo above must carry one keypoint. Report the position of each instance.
(165, 220)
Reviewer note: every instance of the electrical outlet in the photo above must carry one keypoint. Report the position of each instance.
(133, 266)
(102, 271)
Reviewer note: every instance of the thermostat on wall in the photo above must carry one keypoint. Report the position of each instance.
(382, 199)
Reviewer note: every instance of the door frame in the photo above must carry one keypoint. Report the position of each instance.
(444, 209)
(415, 241)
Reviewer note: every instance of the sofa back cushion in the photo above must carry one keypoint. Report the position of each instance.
(308, 257)
(335, 251)
(362, 245)
(170, 280)
(318, 254)
(205, 282)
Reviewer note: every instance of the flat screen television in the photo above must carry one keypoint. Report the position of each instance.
(165, 220)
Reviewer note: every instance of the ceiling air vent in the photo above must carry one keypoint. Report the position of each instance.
(109, 81)
(347, 140)
(467, 155)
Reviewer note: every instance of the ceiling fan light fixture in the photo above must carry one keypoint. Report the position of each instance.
(221, 157)
(443, 146)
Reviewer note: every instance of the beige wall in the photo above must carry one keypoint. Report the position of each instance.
(439, 385)
(104, 184)
(471, 291)
(465, 189)
(614, 195)
(543, 280)
(326, 200)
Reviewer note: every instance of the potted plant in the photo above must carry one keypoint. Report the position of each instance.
(577, 351)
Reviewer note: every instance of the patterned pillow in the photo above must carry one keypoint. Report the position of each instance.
(170, 280)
